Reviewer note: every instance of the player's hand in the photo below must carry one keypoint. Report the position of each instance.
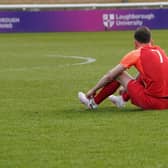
(90, 93)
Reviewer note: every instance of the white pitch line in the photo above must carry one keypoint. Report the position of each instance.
(87, 60)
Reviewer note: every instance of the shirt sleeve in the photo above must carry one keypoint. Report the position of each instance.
(130, 59)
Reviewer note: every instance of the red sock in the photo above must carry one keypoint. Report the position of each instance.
(108, 90)
(125, 96)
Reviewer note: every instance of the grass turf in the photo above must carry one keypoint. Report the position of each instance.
(42, 123)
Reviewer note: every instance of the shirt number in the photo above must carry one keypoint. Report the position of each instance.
(159, 55)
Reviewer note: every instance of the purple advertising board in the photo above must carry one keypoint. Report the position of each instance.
(82, 20)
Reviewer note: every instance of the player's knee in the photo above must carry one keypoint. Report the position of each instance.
(124, 79)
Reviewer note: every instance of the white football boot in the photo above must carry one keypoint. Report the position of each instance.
(89, 103)
(117, 100)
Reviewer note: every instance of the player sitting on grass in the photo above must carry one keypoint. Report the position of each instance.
(149, 90)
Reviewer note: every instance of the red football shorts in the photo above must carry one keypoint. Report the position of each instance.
(139, 98)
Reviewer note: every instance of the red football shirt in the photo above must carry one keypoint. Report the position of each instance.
(152, 64)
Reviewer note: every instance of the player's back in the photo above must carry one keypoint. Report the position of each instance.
(155, 66)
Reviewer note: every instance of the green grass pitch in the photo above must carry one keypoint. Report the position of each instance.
(42, 123)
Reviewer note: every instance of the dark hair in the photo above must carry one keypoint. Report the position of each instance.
(142, 34)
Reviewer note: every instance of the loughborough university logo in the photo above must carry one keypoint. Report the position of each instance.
(108, 21)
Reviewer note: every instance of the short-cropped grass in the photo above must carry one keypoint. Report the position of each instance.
(43, 124)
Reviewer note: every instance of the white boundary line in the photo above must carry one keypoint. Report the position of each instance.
(87, 60)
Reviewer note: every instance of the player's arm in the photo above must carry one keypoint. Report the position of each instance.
(127, 61)
(111, 75)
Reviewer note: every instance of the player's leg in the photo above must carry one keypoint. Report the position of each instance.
(120, 100)
(138, 96)
(124, 79)
(100, 96)
(123, 92)
(108, 90)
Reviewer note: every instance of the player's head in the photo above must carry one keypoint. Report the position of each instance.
(142, 34)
